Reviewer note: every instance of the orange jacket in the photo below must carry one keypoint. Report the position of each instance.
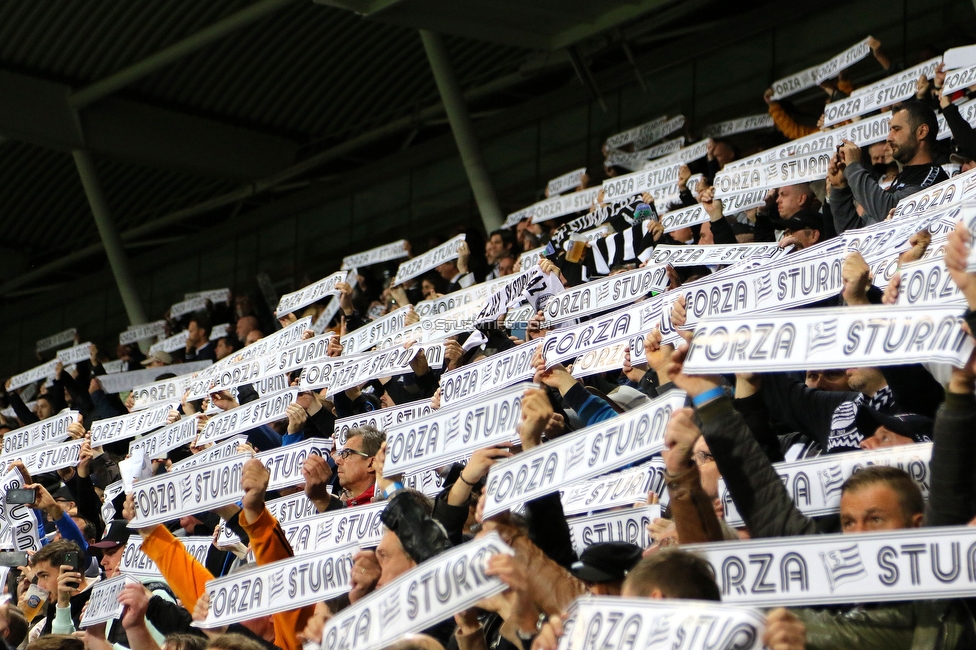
(184, 575)
(188, 578)
(785, 123)
(269, 544)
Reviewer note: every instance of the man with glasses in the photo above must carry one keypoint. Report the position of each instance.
(356, 465)
(691, 477)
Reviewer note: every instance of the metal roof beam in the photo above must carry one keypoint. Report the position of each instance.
(614, 18)
(549, 26)
(733, 30)
(105, 87)
(36, 111)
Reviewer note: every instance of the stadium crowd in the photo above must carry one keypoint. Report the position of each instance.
(591, 428)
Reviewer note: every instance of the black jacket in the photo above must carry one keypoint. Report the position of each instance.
(953, 481)
(962, 133)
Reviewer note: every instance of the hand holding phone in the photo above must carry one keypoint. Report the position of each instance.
(72, 560)
(13, 558)
(25, 496)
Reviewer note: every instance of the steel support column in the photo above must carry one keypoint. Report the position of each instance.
(110, 238)
(463, 129)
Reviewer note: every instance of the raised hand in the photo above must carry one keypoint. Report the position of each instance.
(856, 278)
(557, 376)
(784, 631)
(536, 413)
(318, 476)
(254, 482)
(366, 573)
(136, 601)
(679, 439)
(679, 318)
(956, 261)
(297, 416)
(694, 385)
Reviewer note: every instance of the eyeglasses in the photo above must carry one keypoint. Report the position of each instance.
(703, 457)
(345, 453)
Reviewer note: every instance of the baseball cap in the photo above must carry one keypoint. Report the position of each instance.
(63, 494)
(420, 535)
(162, 357)
(917, 427)
(116, 534)
(606, 561)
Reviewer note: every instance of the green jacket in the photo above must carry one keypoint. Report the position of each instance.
(920, 625)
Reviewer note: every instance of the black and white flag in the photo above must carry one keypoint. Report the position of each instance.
(559, 206)
(223, 450)
(927, 282)
(157, 444)
(278, 587)
(907, 564)
(130, 425)
(581, 455)
(801, 168)
(209, 486)
(647, 132)
(622, 325)
(714, 254)
(489, 374)
(434, 257)
(292, 302)
(323, 532)
(103, 604)
(370, 334)
(126, 381)
(164, 391)
(605, 294)
(47, 458)
(248, 416)
(404, 606)
(566, 182)
(382, 419)
(452, 434)
(794, 83)
(646, 180)
(286, 510)
(385, 253)
(626, 487)
(628, 525)
(839, 337)
(188, 306)
(142, 332)
(615, 622)
(37, 373)
(136, 563)
(53, 429)
(57, 340)
(19, 517)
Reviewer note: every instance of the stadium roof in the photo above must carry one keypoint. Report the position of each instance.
(193, 109)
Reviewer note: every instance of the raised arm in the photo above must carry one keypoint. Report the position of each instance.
(756, 489)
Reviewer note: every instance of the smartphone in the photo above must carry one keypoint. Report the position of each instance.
(73, 558)
(22, 495)
(13, 558)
